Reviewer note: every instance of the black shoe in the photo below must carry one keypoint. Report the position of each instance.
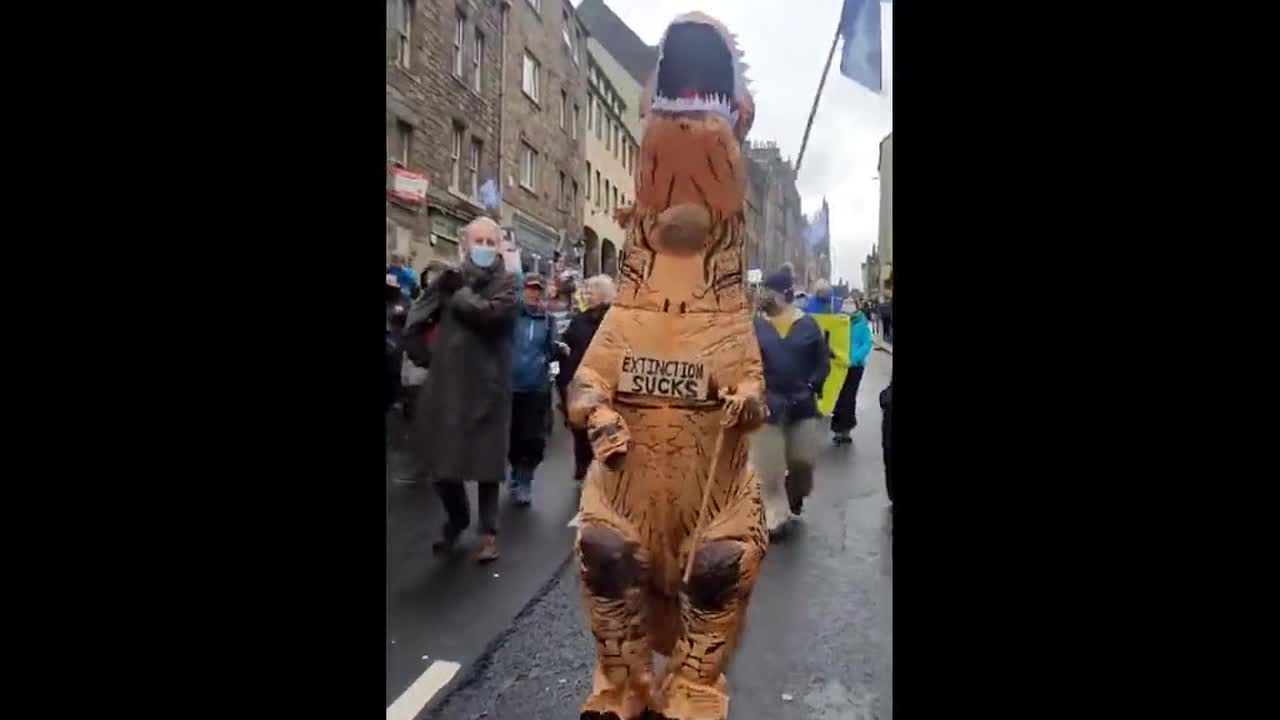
(797, 505)
(780, 533)
(448, 539)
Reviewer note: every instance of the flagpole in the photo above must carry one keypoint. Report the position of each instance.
(814, 111)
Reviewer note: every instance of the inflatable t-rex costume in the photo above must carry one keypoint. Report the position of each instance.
(674, 364)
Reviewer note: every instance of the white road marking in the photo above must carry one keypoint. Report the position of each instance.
(411, 701)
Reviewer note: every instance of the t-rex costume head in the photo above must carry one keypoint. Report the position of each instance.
(685, 245)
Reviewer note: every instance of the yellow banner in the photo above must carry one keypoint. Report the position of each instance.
(835, 327)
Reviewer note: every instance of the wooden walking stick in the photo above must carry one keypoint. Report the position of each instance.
(706, 497)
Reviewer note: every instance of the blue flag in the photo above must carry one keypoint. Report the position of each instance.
(860, 57)
(815, 233)
(490, 197)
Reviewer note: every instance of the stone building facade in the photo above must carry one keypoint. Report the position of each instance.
(487, 98)
(871, 274)
(886, 214)
(635, 56)
(818, 251)
(613, 148)
(754, 198)
(543, 154)
(783, 221)
(442, 112)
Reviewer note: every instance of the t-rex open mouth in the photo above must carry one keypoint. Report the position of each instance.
(696, 72)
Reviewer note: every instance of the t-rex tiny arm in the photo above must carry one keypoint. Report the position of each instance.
(590, 397)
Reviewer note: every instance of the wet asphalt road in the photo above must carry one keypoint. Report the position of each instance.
(818, 639)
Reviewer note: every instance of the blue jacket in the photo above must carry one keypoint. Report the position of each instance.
(817, 306)
(859, 339)
(532, 351)
(794, 368)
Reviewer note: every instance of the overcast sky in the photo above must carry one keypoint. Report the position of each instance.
(785, 45)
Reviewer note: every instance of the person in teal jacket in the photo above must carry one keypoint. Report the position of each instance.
(844, 417)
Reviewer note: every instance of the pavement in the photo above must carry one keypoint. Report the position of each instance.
(509, 639)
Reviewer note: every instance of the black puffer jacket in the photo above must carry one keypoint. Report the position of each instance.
(582, 327)
(886, 436)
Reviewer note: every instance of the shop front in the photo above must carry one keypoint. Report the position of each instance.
(537, 244)
(446, 233)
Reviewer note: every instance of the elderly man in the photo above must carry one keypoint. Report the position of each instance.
(462, 425)
(535, 347)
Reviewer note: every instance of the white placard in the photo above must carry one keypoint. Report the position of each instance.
(663, 377)
(511, 260)
(408, 186)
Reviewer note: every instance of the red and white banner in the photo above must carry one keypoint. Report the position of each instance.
(408, 186)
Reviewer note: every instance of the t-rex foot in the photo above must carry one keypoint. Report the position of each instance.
(613, 705)
(686, 700)
(610, 715)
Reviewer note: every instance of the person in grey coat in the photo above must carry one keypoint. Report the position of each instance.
(463, 421)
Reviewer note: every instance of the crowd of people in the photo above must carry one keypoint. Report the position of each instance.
(476, 343)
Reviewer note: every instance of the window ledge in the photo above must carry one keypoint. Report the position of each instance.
(463, 84)
(466, 199)
(532, 99)
(529, 190)
(414, 208)
(405, 72)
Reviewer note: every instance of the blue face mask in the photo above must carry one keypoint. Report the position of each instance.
(483, 256)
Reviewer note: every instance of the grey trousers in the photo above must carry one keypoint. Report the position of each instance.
(774, 450)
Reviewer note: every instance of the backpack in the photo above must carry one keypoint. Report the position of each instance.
(418, 344)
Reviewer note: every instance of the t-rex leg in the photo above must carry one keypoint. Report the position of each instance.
(713, 606)
(613, 565)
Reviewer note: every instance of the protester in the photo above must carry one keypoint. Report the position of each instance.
(844, 417)
(412, 375)
(534, 347)
(463, 424)
(886, 438)
(396, 309)
(796, 361)
(600, 292)
(821, 302)
(886, 422)
(886, 320)
(790, 271)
